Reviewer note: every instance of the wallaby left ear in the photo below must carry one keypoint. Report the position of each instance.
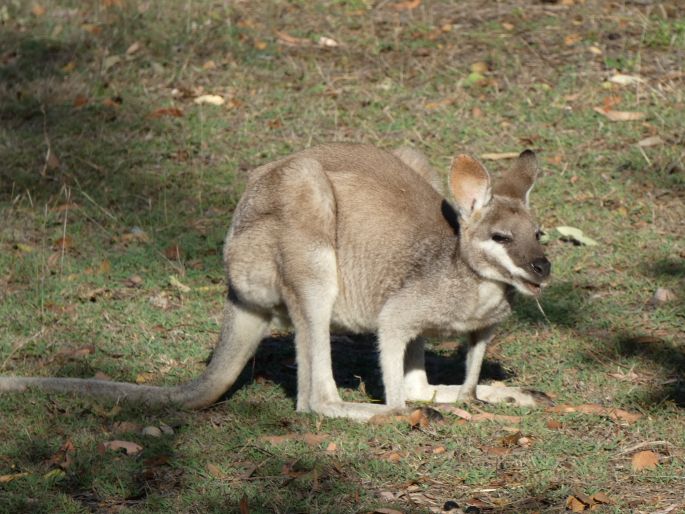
(519, 180)
(469, 184)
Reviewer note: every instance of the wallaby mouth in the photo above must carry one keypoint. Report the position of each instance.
(534, 288)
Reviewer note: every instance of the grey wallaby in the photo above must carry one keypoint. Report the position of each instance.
(346, 237)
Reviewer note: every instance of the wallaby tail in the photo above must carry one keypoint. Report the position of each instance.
(241, 332)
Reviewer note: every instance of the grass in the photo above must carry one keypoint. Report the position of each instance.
(89, 237)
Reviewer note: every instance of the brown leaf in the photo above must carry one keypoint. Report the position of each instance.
(418, 418)
(133, 48)
(553, 424)
(174, 112)
(38, 10)
(133, 281)
(130, 448)
(575, 505)
(386, 510)
(80, 101)
(438, 450)
(288, 40)
(244, 507)
(598, 410)
(62, 458)
(601, 497)
(497, 451)
(621, 115)
(511, 439)
(214, 470)
(52, 161)
(392, 456)
(409, 5)
(332, 447)
(572, 39)
(646, 459)
(174, 252)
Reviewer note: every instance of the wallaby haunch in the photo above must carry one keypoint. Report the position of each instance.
(352, 238)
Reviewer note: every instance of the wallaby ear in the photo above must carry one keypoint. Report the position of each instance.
(519, 180)
(469, 184)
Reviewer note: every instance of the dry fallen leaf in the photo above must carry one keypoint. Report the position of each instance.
(646, 459)
(174, 112)
(129, 447)
(553, 424)
(133, 48)
(497, 451)
(418, 417)
(593, 408)
(210, 99)
(406, 6)
(499, 156)
(80, 101)
(244, 506)
(288, 40)
(175, 282)
(8, 478)
(572, 39)
(625, 80)
(650, 141)
(214, 470)
(663, 296)
(327, 42)
(621, 115)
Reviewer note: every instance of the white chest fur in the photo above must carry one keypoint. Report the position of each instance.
(491, 300)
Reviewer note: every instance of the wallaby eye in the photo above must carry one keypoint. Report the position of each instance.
(501, 238)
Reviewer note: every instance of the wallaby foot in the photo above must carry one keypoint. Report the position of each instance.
(483, 393)
(354, 411)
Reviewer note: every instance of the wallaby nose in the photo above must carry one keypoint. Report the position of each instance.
(541, 266)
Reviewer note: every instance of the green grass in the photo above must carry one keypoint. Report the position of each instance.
(397, 77)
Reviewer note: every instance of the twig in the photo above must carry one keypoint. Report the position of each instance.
(20, 346)
(643, 445)
(48, 152)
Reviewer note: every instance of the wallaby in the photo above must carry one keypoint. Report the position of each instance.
(353, 238)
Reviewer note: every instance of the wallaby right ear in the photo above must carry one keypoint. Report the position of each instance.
(469, 184)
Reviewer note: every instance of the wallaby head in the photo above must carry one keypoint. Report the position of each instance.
(499, 237)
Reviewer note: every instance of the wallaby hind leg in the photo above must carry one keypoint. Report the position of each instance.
(310, 304)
